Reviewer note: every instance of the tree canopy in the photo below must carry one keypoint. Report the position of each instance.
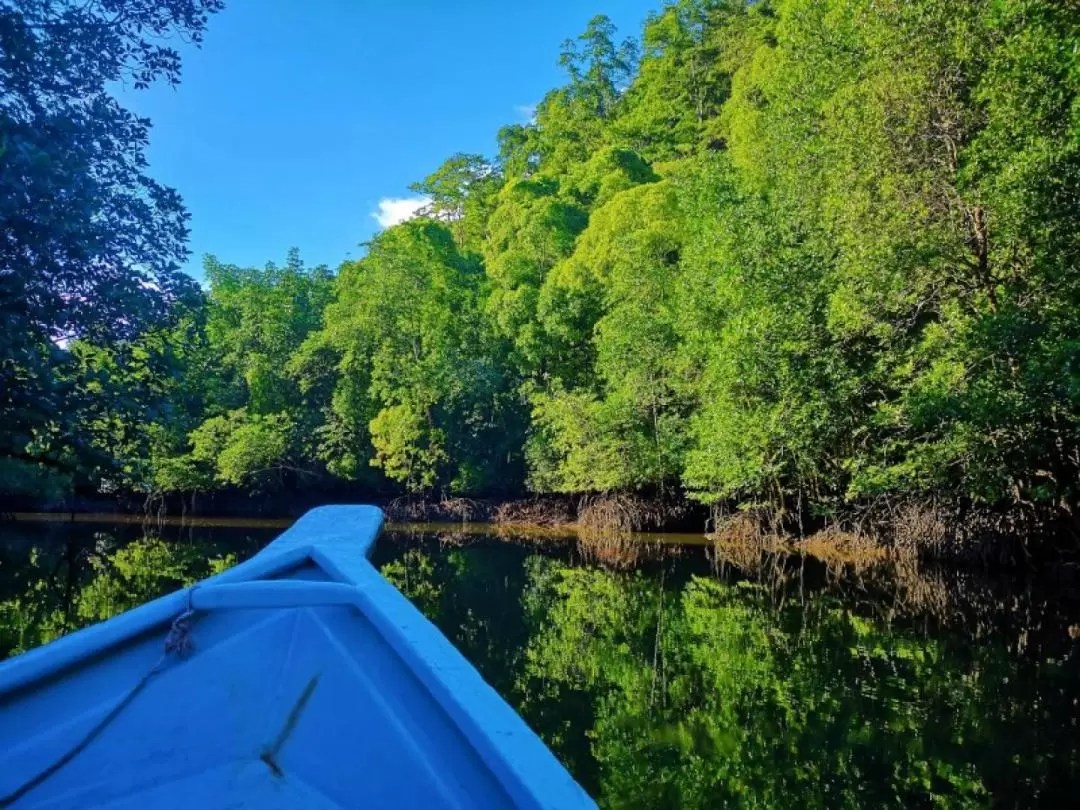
(800, 252)
(90, 245)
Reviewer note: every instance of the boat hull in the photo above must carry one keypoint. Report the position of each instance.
(300, 678)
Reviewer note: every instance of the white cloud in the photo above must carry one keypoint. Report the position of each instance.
(395, 210)
(527, 113)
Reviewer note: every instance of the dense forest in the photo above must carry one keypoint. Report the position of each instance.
(800, 253)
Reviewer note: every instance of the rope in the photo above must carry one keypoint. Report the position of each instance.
(178, 643)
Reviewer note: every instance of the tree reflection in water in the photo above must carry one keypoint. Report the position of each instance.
(688, 682)
(58, 577)
(687, 685)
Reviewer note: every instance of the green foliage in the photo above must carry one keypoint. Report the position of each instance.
(89, 244)
(683, 80)
(598, 67)
(256, 320)
(622, 426)
(571, 121)
(422, 375)
(136, 574)
(462, 193)
(665, 688)
(530, 230)
(251, 425)
(804, 252)
(606, 173)
(407, 448)
(868, 129)
(414, 576)
(240, 447)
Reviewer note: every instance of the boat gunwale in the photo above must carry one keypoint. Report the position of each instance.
(90, 642)
(518, 759)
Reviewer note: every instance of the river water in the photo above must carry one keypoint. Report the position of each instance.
(680, 679)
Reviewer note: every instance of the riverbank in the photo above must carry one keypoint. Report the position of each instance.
(910, 567)
(616, 511)
(609, 512)
(952, 532)
(949, 531)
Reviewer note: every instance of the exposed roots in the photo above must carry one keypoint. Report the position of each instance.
(538, 511)
(409, 509)
(626, 513)
(607, 526)
(898, 557)
(745, 541)
(613, 549)
(838, 549)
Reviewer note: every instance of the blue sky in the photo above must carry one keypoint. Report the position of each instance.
(296, 120)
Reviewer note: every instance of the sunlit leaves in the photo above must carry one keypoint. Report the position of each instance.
(421, 374)
(90, 245)
(804, 252)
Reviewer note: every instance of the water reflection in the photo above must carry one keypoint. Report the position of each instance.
(58, 577)
(695, 680)
(805, 686)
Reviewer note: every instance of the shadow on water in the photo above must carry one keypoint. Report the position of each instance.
(686, 677)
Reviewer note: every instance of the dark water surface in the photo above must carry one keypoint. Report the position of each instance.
(690, 681)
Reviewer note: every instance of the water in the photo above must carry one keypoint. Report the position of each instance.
(687, 682)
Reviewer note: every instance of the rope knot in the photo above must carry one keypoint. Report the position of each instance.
(180, 640)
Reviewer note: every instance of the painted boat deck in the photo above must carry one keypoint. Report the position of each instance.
(312, 683)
